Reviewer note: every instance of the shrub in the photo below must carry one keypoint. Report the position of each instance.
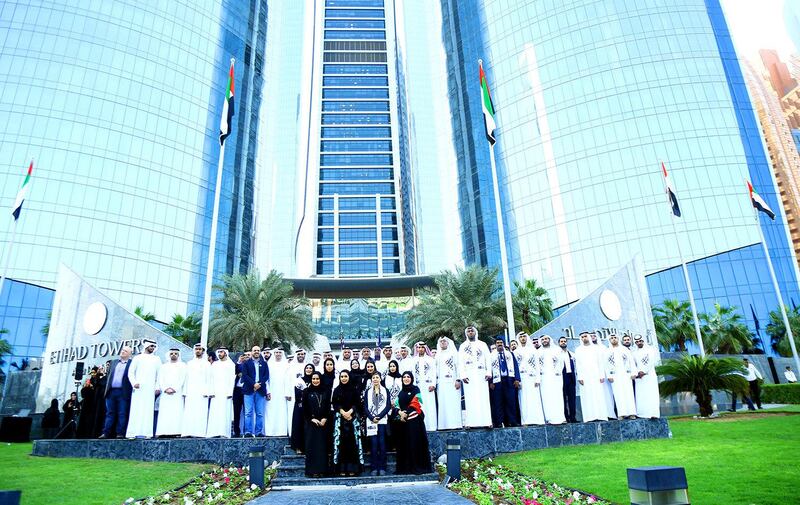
(780, 393)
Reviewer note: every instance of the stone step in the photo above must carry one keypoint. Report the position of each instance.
(301, 458)
(281, 482)
(299, 469)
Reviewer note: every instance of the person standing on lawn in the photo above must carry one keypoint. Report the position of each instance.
(143, 375)
(475, 371)
(646, 382)
(753, 376)
(590, 372)
(620, 369)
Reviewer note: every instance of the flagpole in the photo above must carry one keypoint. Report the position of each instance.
(685, 273)
(503, 255)
(7, 251)
(212, 249)
(778, 293)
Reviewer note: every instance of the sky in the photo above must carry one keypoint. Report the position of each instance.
(758, 24)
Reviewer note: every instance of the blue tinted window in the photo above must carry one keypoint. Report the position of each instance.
(347, 174)
(356, 189)
(389, 250)
(389, 234)
(353, 13)
(355, 93)
(354, 69)
(391, 266)
(355, 81)
(355, 159)
(356, 203)
(324, 267)
(325, 235)
(355, 145)
(358, 267)
(355, 106)
(365, 132)
(343, 23)
(325, 219)
(353, 3)
(356, 219)
(326, 203)
(357, 234)
(389, 218)
(358, 250)
(354, 35)
(325, 251)
(387, 203)
(355, 119)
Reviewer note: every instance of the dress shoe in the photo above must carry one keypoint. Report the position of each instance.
(103, 436)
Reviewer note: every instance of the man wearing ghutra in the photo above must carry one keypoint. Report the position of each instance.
(195, 392)
(276, 416)
(473, 366)
(222, 376)
(620, 369)
(143, 375)
(448, 386)
(425, 371)
(646, 383)
(530, 397)
(551, 365)
(503, 390)
(171, 378)
(590, 372)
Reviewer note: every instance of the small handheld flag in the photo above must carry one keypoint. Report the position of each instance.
(227, 110)
(22, 192)
(759, 202)
(673, 199)
(487, 106)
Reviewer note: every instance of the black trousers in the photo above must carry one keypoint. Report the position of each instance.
(755, 392)
(569, 397)
(238, 404)
(505, 403)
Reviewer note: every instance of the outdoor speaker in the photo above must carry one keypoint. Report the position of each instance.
(79, 370)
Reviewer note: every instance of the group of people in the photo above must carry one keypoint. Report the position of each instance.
(263, 393)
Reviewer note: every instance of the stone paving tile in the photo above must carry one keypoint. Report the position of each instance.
(427, 494)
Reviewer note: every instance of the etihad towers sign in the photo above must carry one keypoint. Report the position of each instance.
(88, 327)
(620, 306)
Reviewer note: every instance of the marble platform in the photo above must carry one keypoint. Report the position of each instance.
(475, 443)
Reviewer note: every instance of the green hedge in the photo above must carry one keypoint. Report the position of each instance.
(780, 393)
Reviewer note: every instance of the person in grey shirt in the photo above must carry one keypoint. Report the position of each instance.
(118, 396)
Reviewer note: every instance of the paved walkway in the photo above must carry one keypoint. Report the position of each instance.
(377, 494)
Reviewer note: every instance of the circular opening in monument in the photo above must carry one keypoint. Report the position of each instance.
(610, 305)
(95, 318)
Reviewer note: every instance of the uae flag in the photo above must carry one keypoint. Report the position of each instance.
(759, 202)
(673, 199)
(22, 192)
(487, 105)
(227, 110)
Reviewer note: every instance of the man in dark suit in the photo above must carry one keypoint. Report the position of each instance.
(238, 397)
(255, 375)
(569, 381)
(118, 395)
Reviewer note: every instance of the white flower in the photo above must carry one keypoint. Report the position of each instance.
(253, 487)
(231, 469)
(216, 485)
(535, 495)
(166, 496)
(492, 471)
(576, 495)
(129, 500)
(199, 494)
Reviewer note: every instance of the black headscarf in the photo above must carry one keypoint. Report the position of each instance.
(396, 373)
(311, 387)
(328, 378)
(408, 392)
(346, 396)
(307, 377)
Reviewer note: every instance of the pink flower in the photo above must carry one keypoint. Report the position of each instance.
(591, 499)
(227, 480)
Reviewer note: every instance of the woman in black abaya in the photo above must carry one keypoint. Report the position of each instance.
(298, 421)
(328, 375)
(317, 411)
(413, 455)
(348, 456)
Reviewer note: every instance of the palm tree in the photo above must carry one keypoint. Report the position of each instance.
(777, 330)
(45, 331)
(186, 329)
(5, 346)
(724, 331)
(465, 296)
(255, 311)
(701, 375)
(674, 325)
(147, 316)
(533, 307)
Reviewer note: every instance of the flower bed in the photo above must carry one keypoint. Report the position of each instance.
(228, 486)
(488, 484)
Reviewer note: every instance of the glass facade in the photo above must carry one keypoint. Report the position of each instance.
(354, 319)
(122, 120)
(591, 97)
(24, 314)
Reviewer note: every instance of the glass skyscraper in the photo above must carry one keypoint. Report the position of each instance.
(591, 97)
(118, 103)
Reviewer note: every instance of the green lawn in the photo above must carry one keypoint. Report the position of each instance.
(733, 460)
(66, 481)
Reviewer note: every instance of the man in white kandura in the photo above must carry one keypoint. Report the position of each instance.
(648, 402)
(608, 392)
(222, 376)
(425, 377)
(382, 365)
(275, 420)
(473, 366)
(342, 364)
(143, 375)
(551, 363)
(294, 371)
(620, 369)
(195, 392)
(530, 396)
(406, 360)
(448, 386)
(591, 376)
(171, 379)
